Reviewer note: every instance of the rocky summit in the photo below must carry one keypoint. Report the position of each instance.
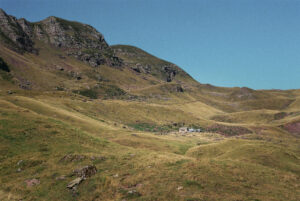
(79, 40)
(84, 120)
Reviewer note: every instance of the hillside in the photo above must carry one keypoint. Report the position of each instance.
(70, 100)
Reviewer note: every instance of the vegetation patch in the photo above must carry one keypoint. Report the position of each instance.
(4, 66)
(192, 183)
(280, 115)
(177, 163)
(91, 93)
(154, 127)
(228, 130)
(5, 71)
(102, 91)
(293, 127)
(112, 91)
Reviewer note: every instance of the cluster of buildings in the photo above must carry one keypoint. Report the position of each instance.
(186, 129)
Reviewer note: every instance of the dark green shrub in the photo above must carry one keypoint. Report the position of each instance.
(4, 66)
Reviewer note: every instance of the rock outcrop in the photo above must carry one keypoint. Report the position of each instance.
(170, 72)
(86, 171)
(82, 174)
(143, 63)
(79, 40)
(75, 183)
(13, 33)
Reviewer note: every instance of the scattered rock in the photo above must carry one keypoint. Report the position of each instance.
(170, 72)
(24, 83)
(19, 170)
(75, 183)
(134, 193)
(139, 68)
(82, 174)
(86, 171)
(19, 162)
(179, 89)
(32, 182)
(180, 188)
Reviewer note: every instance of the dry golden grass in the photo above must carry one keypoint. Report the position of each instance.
(145, 157)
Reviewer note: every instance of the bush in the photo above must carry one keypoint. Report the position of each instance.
(4, 66)
(91, 93)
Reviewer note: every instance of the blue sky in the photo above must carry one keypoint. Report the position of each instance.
(253, 43)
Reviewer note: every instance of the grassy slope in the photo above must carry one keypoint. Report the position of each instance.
(43, 125)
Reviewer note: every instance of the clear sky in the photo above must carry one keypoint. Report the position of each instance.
(253, 43)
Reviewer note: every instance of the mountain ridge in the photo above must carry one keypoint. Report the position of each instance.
(79, 40)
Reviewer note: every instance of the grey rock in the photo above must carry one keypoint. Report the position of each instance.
(180, 188)
(75, 183)
(170, 73)
(81, 41)
(86, 171)
(19, 162)
(13, 31)
(32, 182)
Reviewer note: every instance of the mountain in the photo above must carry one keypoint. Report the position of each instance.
(84, 120)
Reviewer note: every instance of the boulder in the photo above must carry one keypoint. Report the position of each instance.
(75, 182)
(179, 188)
(86, 171)
(32, 182)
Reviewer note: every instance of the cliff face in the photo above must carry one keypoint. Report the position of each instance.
(13, 33)
(78, 40)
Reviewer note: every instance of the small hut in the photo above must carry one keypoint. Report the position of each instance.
(183, 129)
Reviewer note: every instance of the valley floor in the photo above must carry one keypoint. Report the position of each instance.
(44, 137)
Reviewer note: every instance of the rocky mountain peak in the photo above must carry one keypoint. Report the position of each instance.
(13, 33)
(2, 12)
(78, 40)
